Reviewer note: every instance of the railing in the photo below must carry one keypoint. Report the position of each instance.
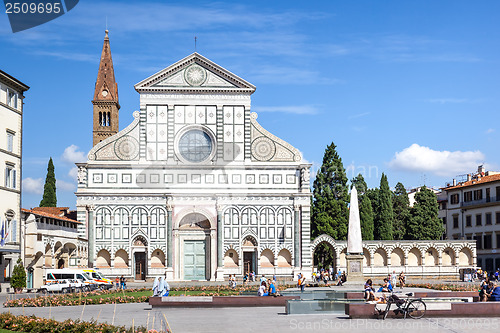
(480, 202)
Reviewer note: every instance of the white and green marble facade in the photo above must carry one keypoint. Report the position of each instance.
(155, 187)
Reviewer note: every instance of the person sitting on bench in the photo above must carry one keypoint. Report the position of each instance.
(495, 293)
(386, 287)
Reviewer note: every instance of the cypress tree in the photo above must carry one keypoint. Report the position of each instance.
(330, 197)
(49, 198)
(424, 223)
(360, 184)
(366, 217)
(384, 217)
(365, 207)
(401, 209)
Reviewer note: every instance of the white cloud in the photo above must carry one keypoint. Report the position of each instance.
(65, 186)
(73, 173)
(72, 155)
(295, 109)
(418, 158)
(490, 130)
(34, 186)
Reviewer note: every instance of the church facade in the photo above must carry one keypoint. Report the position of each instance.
(194, 188)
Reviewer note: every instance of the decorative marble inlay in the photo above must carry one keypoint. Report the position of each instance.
(127, 148)
(126, 178)
(264, 179)
(97, 178)
(250, 179)
(263, 149)
(195, 75)
(112, 178)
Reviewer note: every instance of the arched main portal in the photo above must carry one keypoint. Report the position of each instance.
(194, 232)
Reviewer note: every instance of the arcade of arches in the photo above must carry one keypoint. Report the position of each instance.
(440, 258)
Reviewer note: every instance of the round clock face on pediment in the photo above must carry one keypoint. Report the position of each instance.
(104, 93)
(195, 75)
(195, 145)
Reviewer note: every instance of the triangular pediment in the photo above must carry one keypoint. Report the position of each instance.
(195, 73)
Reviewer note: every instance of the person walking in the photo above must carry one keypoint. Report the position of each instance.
(394, 279)
(402, 280)
(302, 282)
(123, 282)
(117, 283)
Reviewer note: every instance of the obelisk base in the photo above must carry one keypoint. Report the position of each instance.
(354, 268)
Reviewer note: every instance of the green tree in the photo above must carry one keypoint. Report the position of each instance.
(424, 223)
(49, 198)
(18, 279)
(330, 197)
(360, 184)
(373, 194)
(384, 216)
(365, 207)
(366, 217)
(401, 209)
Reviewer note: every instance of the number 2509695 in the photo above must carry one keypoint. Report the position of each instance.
(32, 8)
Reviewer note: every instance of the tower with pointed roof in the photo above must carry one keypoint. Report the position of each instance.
(105, 99)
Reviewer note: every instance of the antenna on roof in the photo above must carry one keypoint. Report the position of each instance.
(195, 38)
(106, 22)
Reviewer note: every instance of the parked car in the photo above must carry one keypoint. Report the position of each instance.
(63, 286)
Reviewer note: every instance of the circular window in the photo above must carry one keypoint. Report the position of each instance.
(195, 145)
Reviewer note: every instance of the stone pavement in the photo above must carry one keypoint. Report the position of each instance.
(265, 319)
(256, 319)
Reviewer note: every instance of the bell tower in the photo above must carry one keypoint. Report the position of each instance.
(105, 100)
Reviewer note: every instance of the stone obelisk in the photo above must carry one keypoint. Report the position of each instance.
(354, 257)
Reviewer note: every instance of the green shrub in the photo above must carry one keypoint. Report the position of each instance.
(18, 280)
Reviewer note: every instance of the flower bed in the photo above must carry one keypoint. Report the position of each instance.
(94, 297)
(34, 324)
(442, 286)
(125, 296)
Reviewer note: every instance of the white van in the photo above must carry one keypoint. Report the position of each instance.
(53, 276)
(62, 286)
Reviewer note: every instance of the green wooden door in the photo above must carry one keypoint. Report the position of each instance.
(194, 260)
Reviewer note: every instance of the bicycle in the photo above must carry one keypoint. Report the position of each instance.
(415, 308)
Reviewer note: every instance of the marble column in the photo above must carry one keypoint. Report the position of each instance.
(169, 236)
(169, 270)
(91, 230)
(296, 236)
(219, 273)
(219, 237)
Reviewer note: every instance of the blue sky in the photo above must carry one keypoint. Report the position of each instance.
(405, 88)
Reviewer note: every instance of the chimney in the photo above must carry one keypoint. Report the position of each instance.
(454, 182)
(481, 170)
(468, 177)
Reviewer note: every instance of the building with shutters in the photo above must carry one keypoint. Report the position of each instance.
(471, 211)
(11, 124)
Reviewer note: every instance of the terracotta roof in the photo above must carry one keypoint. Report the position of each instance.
(41, 212)
(475, 181)
(59, 211)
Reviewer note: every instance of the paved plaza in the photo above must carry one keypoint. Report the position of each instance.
(254, 319)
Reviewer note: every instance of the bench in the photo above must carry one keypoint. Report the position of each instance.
(434, 309)
(219, 301)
